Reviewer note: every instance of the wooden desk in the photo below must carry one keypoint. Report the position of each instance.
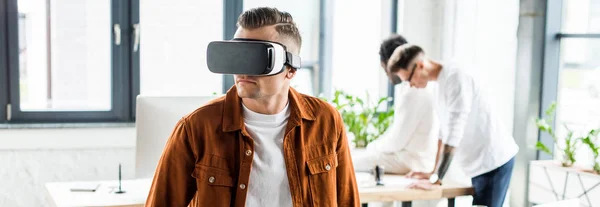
(60, 194)
(395, 190)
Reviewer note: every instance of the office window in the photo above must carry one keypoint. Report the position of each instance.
(306, 15)
(577, 68)
(579, 76)
(358, 29)
(70, 60)
(64, 55)
(175, 38)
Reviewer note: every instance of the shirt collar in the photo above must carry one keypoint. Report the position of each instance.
(233, 115)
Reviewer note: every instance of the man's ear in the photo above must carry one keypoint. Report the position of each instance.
(290, 73)
(420, 64)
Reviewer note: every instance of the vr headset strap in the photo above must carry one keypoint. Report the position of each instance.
(291, 60)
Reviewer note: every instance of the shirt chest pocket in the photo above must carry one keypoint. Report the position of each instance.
(322, 180)
(214, 186)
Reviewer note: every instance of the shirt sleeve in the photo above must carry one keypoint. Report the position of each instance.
(459, 98)
(346, 186)
(173, 184)
(407, 116)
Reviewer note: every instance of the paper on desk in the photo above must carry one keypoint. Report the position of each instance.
(366, 180)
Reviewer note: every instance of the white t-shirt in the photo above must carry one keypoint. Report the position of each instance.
(469, 123)
(414, 132)
(268, 185)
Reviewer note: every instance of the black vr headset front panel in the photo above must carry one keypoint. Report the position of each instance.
(249, 57)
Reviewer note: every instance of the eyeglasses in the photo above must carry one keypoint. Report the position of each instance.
(397, 80)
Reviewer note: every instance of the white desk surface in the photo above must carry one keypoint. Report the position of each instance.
(137, 192)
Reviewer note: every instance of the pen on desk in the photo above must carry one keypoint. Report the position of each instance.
(120, 190)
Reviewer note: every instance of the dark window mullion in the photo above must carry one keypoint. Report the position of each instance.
(134, 17)
(231, 10)
(120, 61)
(4, 89)
(551, 68)
(12, 31)
(393, 30)
(325, 68)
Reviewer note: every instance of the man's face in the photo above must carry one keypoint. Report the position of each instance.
(415, 74)
(256, 87)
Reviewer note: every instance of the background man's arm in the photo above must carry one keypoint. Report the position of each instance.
(446, 158)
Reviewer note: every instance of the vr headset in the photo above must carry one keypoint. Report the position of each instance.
(249, 57)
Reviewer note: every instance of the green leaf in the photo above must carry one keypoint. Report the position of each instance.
(542, 125)
(551, 109)
(594, 132)
(360, 116)
(595, 148)
(540, 146)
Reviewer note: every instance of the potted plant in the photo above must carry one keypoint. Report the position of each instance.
(570, 143)
(361, 117)
(594, 147)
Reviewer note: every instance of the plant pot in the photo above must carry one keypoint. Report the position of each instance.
(567, 163)
(361, 144)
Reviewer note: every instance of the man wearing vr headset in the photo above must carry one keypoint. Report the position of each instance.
(471, 128)
(263, 143)
(410, 142)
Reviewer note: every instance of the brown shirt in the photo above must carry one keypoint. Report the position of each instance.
(208, 158)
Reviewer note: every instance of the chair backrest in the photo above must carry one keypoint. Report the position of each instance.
(156, 117)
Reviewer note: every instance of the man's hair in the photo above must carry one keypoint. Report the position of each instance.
(389, 45)
(266, 16)
(402, 56)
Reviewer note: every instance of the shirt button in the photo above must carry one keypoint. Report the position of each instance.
(242, 186)
(248, 152)
(211, 179)
(327, 167)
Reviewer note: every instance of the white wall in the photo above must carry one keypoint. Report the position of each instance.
(32, 157)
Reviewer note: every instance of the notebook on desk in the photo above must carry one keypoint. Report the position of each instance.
(85, 187)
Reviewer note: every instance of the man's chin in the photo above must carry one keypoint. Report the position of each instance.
(245, 94)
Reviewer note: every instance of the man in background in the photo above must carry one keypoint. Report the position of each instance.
(409, 144)
(470, 125)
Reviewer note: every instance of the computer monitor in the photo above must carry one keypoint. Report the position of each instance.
(156, 117)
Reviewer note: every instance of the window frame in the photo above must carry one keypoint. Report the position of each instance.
(3, 61)
(551, 66)
(124, 71)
